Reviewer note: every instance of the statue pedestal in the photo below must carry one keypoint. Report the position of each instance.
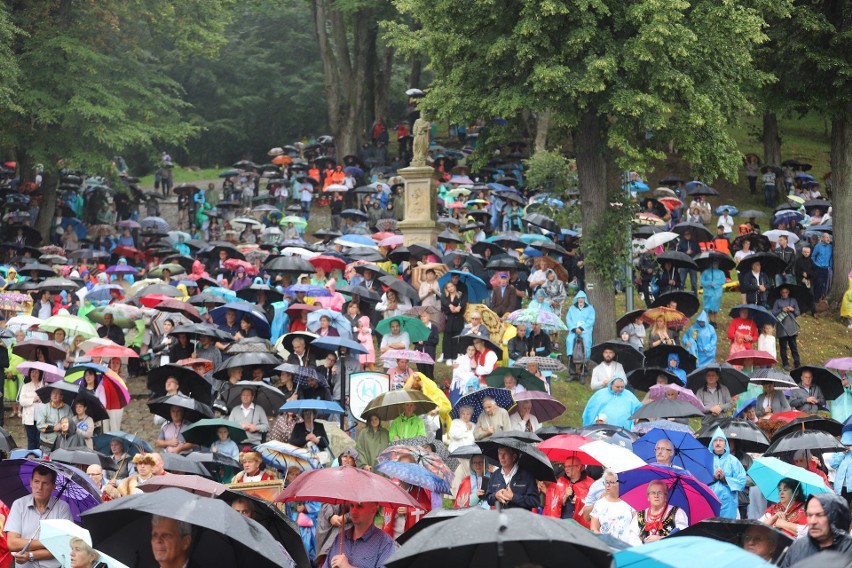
(418, 225)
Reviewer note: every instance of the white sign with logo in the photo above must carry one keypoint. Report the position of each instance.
(364, 387)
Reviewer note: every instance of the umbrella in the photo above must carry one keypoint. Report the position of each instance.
(294, 264)
(531, 458)
(815, 441)
(204, 432)
(337, 320)
(427, 443)
(787, 416)
(678, 259)
(840, 363)
(659, 357)
(666, 409)
(123, 315)
(509, 537)
(317, 405)
(615, 435)
(28, 349)
(193, 410)
(389, 405)
(644, 378)
(684, 491)
(829, 383)
(408, 355)
(503, 398)
(72, 325)
(548, 320)
(416, 329)
(72, 485)
(699, 231)
(110, 351)
(7, 442)
(814, 422)
(689, 453)
(83, 456)
(734, 380)
(672, 317)
(132, 443)
(195, 484)
(775, 234)
(686, 302)
(732, 530)
(400, 287)
(564, 446)
(433, 517)
(803, 296)
(544, 363)
(414, 474)
(265, 396)
(214, 463)
(747, 436)
(770, 375)
(645, 427)
(50, 373)
(429, 460)
(611, 456)
(462, 342)
(477, 289)
(542, 221)
(330, 343)
(254, 345)
(176, 463)
(625, 353)
(243, 309)
(190, 383)
(659, 239)
(673, 552)
(347, 484)
(283, 456)
(545, 407)
(706, 259)
(56, 534)
(660, 392)
(770, 263)
(69, 392)
(221, 536)
(523, 377)
(767, 472)
(694, 188)
(755, 358)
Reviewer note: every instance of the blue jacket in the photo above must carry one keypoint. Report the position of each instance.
(676, 370)
(704, 345)
(712, 281)
(583, 319)
(735, 477)
(617, 407)
(821, 255)
(524, 489)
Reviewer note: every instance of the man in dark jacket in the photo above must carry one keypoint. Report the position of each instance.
(520, 491)
(111, 331)
(539, 341)
(754, 284)
(519, 345)
(504, 296)
(828, 526)
(689, 247)
(788, 254)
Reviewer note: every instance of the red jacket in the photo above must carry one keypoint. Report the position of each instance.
(555, 491)
(412, 515)
(743, 327)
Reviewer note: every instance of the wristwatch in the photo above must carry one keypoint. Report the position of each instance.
(31, 557)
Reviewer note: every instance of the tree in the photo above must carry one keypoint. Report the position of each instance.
(626, 77)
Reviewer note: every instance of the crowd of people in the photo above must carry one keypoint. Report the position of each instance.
(251, 340)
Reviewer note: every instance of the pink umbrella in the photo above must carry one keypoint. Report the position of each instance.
(840, 363)
(393, 241)
(409, 355)
(757, 358)
(50, 373)
(544, 406)
(658, 392)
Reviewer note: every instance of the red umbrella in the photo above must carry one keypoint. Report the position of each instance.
(327, 263)
(109, 351)
(787, 416)
(293, 311)
(153, 300)
(347, 484)
(129, 251)
(234, 264)
(176, 306)
(758, 358)
(560, 448)
(382, 235)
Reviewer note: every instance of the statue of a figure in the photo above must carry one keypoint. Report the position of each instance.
(422, 130)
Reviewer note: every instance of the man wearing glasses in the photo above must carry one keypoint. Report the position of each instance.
(566, 498)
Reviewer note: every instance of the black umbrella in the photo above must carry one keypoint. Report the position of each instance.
(295, 264)
(193, 410)
(747, 435)
(287, 339)
(250, 293)
(510, 537)
(69, 391)
(191, 383)
(829, 383)
(827, 425)
(364, 293)
(214, 462)
(7, 442)
(700, 233)
(378, 270)
(176, 463)
(248, 362)
(27, 350)
(220, 537)
(770, 264)
(653, 206)
(701, 188)
(706, 259)
(195, 330)
(421, 249)
(462, 341)
(645, 377)
(265, 396)
(816, 441)
(671, 180)
(734, 380)
(666, 408)
(645, 231)
(397, 255)
(434, 517)
(509, 240)
(354, 214)
(732, 531)
(687, 302)
(625, 353)
(365, 253)
(759, 314)
(517, 435)
(678, 259)
(506, 263)
(821, 204)
(279, 525)
(803, 296)
(532, 459)
(400, 287)
(542, 221)
(550, 431)
(659, 357)
(628, 318)
(547, 246)
(94, 407)
(83, 456)
(449, 236)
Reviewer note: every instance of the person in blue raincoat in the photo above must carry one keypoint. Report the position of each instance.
(580, 320)
(700, 340)
(712, 281)
(539, 302)
(841, 407)
(613, 401)
(729, 476)
(674, 367)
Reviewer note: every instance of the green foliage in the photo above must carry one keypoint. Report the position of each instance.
(552, 172)
(604, 244)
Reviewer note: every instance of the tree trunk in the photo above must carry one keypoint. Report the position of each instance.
(416, 72)
(841, 176)
(331, 79)
(542, 126)
(49, 192)
(591, 151)
(372, 70)
(383, 79)
(771, 139)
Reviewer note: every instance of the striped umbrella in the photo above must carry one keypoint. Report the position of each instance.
(283, 456)
(544, 363)
(428, 460)
(549, 320)
(111, 387)
(415, 474)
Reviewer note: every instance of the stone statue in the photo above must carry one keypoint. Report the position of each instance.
(422, 130)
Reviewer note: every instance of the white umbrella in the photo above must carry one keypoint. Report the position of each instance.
(298, 251)
(658, 239)
(240, 222)
(22, 322)
(612, 457)
(56, 535)
(774, 234)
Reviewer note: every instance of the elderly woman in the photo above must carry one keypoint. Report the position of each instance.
(788, 514)
(522, 418)
(82, 555)
(611, 514)
(461, 430)
(729, 476)
(251, 472)
(618, 405)
(657, 521)
(325, 328)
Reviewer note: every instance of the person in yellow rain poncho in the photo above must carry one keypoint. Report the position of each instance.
(419, 381)
(846, 303)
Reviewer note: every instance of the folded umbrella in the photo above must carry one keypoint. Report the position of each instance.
(684, 491)
(531, 458)
(689, 453)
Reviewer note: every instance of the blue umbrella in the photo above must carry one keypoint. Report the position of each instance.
(321, 406)
(677, 552)
(689, 454)
(804, 177)
(767, 472)
(759, 314)
(733, 211)
(157, 223)
(503, 398)
(355, 241)
(338, 322)
(477, 290)
(742, 404)
(788, 215)
(335, 343)
(684, 491)
(72, 485)
(133, 444)
(303, 374)
(261, 325)
(530, 252)
(103, 292)
(638, 186)
(283, 456)
(308, 289)
(353, 171)
(415, 474)
(229, 173)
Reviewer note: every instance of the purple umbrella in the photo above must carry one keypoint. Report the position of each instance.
(684, 491)
(840, 363)
(658, 392)
(72, 485)
(544, 406)
(312, 291)
(121, 269)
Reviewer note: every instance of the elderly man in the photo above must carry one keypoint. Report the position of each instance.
(565, 499)
(49, 421)
(510, 485)
(22, 523)
(608, 369)
(519, 345)
(807, 397)
(299, 356)
(504, 296)
(762, 541)
(828, 530)
(364, 545)
(475, 326)
(170, 542)
(491, 420)
(111, 331)
(714, 395)
(664, 452)
(251, 417)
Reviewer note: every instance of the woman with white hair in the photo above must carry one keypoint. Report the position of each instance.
(611, 514)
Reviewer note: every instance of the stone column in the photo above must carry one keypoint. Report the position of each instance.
(418, 225)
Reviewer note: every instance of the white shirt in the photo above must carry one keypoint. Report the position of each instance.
(247, 410)
(605, 372)
(726, 222)
(508, 476)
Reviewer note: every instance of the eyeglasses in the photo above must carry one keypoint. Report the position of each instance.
(610, 483)
(656, 493)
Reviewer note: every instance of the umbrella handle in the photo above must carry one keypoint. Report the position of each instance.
(342, 528)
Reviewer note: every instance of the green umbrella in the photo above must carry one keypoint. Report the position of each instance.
(174, 270)
(522, 376)
(204, 432)
(297, 221)
(123, 315)
(416, 329)
(72, 325)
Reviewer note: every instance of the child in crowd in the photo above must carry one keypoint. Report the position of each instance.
(766, 340)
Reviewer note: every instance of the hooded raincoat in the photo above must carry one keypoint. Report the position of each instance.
(700, 340)
(839, 519)
(712, 281)
(734, 479)
(584, 319)
(680, 373)
(618, 407)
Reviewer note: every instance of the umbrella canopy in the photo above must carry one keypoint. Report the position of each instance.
(49, 373)
(548, 320)
(132, 443)
(265, 396)
(193, 409)
(243, 309)
(83, 456)
(814, 441)
(408, 355)
(414, 474)
(803, 296)
(611, 456)
(732, 531)
(770, 375)
(770, 263)
(331, 343)
(659, 357)
(190, 383)
(829, 383)
(666, 408)
(754, 358)
(644, 378)
(502, 397)
(543, 363)
(734, 380)
(477, 289)
(336, 320)
(531, 458)
(204, 432)
(699, 232)
(673, 552)
(320, 406)
(672, 317)
(689, 453)
(283, 456)
(545, 407)
(72, 325)
(28, 349)
(744, 433)
(659, 239)
(347, 484)
(840, 363)
(221, 536)
(662, 392)
(523, 377)
(510, 537)
(176, 463)
(389, 405)
(815, 422)
(645, 427)
(611, 434)
(767, 472)
(56, 534)
(248, 362)
(625, 353)
(564, 446)
(69, 392)
(684, 491)
(429, 460)
(194, 484)
(706, 259)
(7, 442)
(685, 302)
(72, 485)
(123, 315)
(462, 341)
(677, 259)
